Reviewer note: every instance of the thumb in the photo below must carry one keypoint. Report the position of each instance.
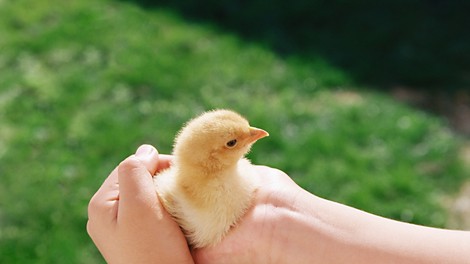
(148, 155)
(136, 188)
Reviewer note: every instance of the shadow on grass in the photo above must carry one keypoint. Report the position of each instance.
(420, 44)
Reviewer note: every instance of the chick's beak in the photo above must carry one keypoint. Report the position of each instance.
(257, 133)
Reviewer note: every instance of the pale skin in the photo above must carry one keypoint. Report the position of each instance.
(286, 224)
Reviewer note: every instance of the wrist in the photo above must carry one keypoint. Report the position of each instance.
(301, 236)
(315, 230)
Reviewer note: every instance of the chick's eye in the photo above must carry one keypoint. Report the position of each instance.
(231, 143)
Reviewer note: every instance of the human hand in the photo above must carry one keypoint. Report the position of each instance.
(262, 235)
(287, 224)
(126, 221)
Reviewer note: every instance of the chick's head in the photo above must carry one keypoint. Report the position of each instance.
(215, 140)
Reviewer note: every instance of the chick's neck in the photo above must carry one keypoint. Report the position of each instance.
(208, 165)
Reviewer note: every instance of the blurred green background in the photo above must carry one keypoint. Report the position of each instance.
(83, 83)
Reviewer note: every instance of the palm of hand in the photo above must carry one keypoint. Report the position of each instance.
(254, 239)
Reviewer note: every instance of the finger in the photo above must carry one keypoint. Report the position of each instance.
(164, 162)
(137, 179)
(202, 255)
(137, 191)
(148, 155)
(273, 175)
(103, 205)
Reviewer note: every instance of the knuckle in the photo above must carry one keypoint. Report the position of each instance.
(90, 228)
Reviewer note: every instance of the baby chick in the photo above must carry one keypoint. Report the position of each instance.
(210, 184)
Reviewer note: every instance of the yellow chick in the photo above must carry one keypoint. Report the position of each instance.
(210, 184)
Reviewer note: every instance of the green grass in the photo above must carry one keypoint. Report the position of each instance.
(83, 83)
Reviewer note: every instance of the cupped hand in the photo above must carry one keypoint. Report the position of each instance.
(258, 237)
(126, 221)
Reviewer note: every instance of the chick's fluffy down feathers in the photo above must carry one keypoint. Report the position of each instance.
(224, 203)
(210, 184)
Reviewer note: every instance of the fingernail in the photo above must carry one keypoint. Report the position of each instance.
(143, 151)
